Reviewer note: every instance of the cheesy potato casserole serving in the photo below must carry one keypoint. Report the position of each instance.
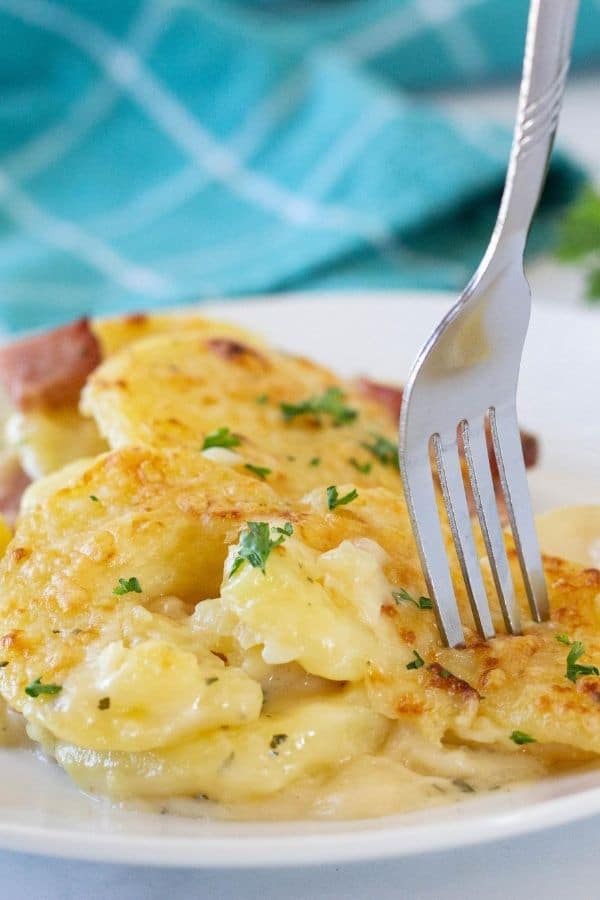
(212, 600)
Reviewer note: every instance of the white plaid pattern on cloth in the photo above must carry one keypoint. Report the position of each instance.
(155, 151)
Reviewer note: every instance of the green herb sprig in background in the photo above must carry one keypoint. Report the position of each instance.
(580, 239)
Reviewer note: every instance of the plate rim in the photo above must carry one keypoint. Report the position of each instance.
(368, 840)
(288, 851)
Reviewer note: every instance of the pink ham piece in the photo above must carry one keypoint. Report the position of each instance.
(13, 481)
(390, 397)
(49, 369)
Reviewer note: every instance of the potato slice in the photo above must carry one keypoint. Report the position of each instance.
(312, 737)
(178, 389)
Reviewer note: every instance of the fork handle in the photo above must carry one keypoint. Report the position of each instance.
(547, 55)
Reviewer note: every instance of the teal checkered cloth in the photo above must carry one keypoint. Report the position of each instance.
(157, 151)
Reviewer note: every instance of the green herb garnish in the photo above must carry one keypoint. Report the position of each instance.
(315, 461)
(261, 471)
(209, 681)
(402, 595)
(128, 586)
(256, 544)
(94, 498)
(330, 403)
(104, 703)
(222, 437)
(580, 240)
(276, 740)
(36, 688)
(520, 737)
(363, 468)
(262, 399)
(574, 669)
(417, 662)
(463, 786)
(563, 639)
(334, 500)
(384, 450)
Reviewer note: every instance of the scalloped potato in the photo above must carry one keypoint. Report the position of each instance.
(227, 608)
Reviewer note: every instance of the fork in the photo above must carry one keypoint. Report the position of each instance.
(467, 374)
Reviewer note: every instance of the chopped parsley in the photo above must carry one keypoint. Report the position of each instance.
(334, 500)
(261, 471)
(104, 703)
(417, 662)
(315, 461)
(463, 786)
(209, 681)
(384, 450)
(580, 239)
(402, 595)
(330, 403)
(94, 499)
(363, 468)
(444, 673)
(563, 639)
(520, 737)
(276, 740)
(227, 761)
(222, 437)
(262, 399)
(574, 669)
(36, 688)
(128, 586)
(256, 544)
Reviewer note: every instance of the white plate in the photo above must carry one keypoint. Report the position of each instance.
(42, 812)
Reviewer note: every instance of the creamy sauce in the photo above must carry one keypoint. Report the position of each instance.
(12, 730)
(378, 785)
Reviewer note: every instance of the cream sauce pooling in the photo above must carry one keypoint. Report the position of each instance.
(377, 785)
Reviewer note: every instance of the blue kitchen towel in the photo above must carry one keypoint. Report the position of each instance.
(158, 151)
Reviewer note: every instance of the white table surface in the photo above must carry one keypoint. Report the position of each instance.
(555, 864)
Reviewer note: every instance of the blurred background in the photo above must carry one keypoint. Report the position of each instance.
(158, 151)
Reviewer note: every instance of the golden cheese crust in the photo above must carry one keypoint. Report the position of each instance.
(175, 389)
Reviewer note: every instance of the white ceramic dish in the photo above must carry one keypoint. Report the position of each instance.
(41, 811)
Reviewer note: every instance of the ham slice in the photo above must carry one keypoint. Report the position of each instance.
(49, 369)
(390, 397)
(13, 481)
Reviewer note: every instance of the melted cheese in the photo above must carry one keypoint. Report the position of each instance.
(45, 440)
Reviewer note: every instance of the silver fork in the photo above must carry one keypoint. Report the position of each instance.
(468, 371)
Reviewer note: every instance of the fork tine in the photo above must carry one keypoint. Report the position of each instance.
(480, 474)
(420, 495)
(511, 466)
(453, 489)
